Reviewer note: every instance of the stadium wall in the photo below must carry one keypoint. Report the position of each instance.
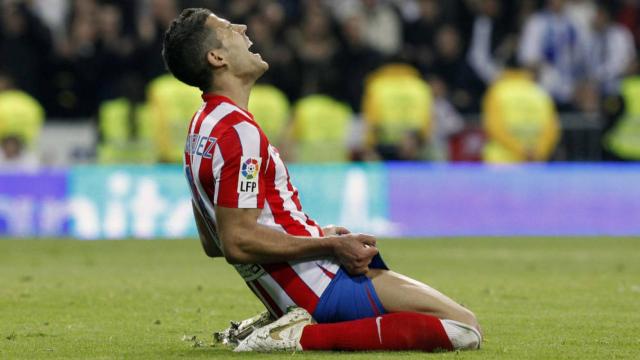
(396, 199)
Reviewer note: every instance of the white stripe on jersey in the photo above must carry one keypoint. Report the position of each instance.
(243, 113)
(311, 274)
(276, 292)
(196, 117)
(250, 141)
(281, 182)
(266, 218)
(216, 166)
(207, 125)
(262, 299)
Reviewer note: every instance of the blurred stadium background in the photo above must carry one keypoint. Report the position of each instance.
(513, 124)
(386, 110)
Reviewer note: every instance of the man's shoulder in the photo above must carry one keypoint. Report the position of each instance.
(222, 117)
(226, 111)
(238, 127)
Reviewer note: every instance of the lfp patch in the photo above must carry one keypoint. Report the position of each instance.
(249, 175)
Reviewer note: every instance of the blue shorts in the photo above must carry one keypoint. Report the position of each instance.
(350, 297)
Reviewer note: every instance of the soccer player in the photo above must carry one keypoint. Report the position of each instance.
(248, 211)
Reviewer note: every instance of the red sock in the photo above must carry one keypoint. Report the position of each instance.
(395, 331)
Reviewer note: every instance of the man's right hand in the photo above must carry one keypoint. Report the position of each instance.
(355, 251)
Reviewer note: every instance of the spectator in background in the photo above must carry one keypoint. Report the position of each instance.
(75, 78)
(460, 14)
(53, 14)
(316, 45)
(382, 26)
(451, 66)
(355, 61)
(523, 12)
(581, 13)
(491, 43)
(268, 31)
(551, 46)
(240, 10)
(611, 53)
(25, 47)
(520, 120)
(151, 27)
(115, 49)
(419, 35)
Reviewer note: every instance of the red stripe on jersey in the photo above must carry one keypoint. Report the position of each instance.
(270, 302)
(326, 272)
(293, 285)
(296, 200)
(313, 223)
(281, 216)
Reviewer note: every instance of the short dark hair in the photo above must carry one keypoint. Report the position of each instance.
(185, 48)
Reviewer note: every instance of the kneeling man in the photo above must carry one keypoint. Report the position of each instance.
(343, 295)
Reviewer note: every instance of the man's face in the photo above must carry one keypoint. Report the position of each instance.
(235, 44)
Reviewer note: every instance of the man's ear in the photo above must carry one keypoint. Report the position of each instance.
(216, 58)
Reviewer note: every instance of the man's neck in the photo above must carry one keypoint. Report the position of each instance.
(236, 89)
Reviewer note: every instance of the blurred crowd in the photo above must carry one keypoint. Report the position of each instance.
(72, 56)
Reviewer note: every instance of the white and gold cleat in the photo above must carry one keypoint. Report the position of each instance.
(462, 336)
(239, 330)
(281, 335)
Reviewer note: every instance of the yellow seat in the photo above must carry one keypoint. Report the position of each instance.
(396, 101)
(624, 138)
(520, 120)
(171, 105)
(320, 129)
(270, 108)
(21, 116)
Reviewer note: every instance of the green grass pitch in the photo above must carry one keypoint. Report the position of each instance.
(536, 298)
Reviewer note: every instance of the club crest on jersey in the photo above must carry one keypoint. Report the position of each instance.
(249, 175)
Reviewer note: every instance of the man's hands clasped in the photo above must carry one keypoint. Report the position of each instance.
(355, 251)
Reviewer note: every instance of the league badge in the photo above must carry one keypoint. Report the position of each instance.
(249, 175)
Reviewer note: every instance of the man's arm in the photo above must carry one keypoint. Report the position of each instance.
(205, 234)
(244, 241)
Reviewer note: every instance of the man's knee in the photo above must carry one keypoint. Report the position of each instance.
(455, 312)
(469, 318)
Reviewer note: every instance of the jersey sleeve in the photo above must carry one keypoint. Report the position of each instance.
(240, 180)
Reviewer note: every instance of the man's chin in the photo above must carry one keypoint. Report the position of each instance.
(263, 66)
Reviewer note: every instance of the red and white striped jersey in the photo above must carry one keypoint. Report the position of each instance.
(229, 162)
